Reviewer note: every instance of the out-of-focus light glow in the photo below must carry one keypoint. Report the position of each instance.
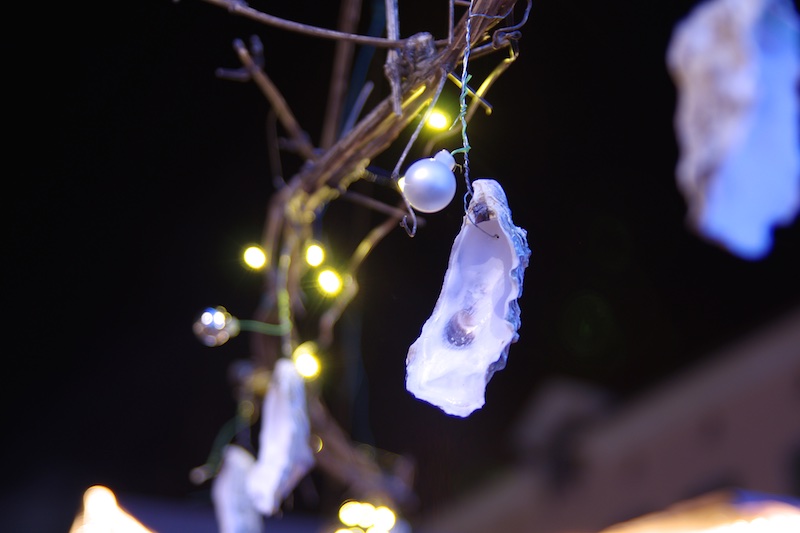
(330, 282)
(306, 361)
(254, 257)
(101, 514)
(401, 183)
(315, 255)
(317, 443)
(384, 518)
(216, 326)
(349, 512)
(438, 120)
(366, 512)
(307, 365)
(716, 514)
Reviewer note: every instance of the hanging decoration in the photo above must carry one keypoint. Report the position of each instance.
(233, 508)
(736, 65)
(477, 317)
(284, 453)
(488, 265)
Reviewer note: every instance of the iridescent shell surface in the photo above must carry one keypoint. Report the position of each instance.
(477, 317)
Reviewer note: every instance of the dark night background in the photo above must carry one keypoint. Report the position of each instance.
(139, 177)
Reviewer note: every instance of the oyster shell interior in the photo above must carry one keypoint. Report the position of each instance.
(476, 317)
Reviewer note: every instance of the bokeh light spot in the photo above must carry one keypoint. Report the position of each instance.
(438, 120)
(315, 255)
(330, 282)
(254, 257)
(349, 512)
(306, 361)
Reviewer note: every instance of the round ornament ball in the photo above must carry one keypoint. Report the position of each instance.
(430, 184)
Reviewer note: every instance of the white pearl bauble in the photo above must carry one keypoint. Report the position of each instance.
(430, 184)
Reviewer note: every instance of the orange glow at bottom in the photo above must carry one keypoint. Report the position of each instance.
(101, 514)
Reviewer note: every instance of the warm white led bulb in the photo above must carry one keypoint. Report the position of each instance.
(330, 282)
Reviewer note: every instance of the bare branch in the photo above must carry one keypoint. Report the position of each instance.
(277, 101)
(477, 99)
(392, 66)
(358, 106)
(331, 316)
(237, 7)
(342, 63)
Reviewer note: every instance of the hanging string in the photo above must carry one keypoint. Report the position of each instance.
(462, 101)
(462, 117)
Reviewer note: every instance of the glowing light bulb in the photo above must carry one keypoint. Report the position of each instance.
(254, 257)
(384, 518)
(216, 326)
(315, 255)
(330, 282)
(438, 120)
(349, 512)
(306, 361)
(366, 516)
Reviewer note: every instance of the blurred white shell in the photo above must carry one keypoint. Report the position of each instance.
(233, 508)
(735, 64)
(284, 453)
(476, 317)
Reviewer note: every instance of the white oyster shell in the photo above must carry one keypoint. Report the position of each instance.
(284, 454)
(476, 318)
(736, 65)
(233, 508)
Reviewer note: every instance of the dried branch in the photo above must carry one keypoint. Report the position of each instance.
(477, 99)
(349, 16)
(277, 100)
(392, 66)
(331, 316)
(343, 460)
(238, 7)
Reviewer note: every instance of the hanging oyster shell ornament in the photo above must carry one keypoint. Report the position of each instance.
(233, 509)
(284, 454)
(736, 64)
(476, 318)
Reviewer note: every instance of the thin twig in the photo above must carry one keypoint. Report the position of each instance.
(392, 67)
(358, 106)
(477, 100)
(277, 101)
(420, 124)
(237, 7)
(342, 63)
(372, 203)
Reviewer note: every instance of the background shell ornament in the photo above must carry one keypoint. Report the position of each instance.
(476, 318)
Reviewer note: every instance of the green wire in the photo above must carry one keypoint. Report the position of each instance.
(263, 327)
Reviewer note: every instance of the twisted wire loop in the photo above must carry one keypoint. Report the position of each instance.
(500, 38)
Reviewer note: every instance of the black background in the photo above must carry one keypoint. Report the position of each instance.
(137, 176)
